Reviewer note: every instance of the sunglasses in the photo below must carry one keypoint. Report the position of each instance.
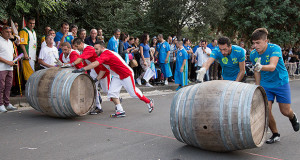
(6, 28)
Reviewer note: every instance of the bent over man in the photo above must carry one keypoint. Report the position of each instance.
(122, 75)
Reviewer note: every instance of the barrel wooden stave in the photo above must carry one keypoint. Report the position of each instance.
(203, 107)
(55, 92)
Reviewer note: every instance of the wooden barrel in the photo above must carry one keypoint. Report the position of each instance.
(220, 115)
(58, 92)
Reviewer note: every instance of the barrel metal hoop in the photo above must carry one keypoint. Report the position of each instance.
(66, 92)
(232, 137)
(57, 80)
(34, 96)
(221, 115)
(70, 81)
(248, 126)
(172, 113)
(241, 104)
(190, 122)
(30, 91)
(177, 116)
(183, 117)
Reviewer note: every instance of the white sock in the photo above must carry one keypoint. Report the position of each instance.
(119, 108)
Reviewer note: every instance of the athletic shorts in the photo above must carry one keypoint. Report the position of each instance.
(166, 69)
(282, 94)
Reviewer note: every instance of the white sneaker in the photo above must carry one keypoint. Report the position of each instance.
(139, 81)
(148, 84)
(2, 108)
(166, 82)
(11, 107)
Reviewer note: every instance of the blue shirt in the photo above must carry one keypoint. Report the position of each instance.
(187, 48)
(280, 75)
(211, 46)
(126, 45)
(195, 48)
(59, 36)
(230, 63)
(113, 44)
(163, 49)
(180, 57)
(146, 49)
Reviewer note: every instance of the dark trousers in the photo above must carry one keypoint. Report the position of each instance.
(6, 79)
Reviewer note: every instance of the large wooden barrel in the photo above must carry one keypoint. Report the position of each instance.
(58, 92)
(220, 115)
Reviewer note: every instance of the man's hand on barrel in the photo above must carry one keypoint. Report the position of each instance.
(79, 70)
(258, 66)
(200, 74)
(67, 65)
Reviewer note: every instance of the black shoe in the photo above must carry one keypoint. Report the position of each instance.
(295, 123)
(96, 111)
(274, 138)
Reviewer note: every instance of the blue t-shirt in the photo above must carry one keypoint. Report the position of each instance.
(163, 49)
(126, 45)
(59, 36)
(146, 49)
(195, 48)
(211, 46)
(113, 44)
(230, 63)
(280, 75)
(180, 57)
(187, 48)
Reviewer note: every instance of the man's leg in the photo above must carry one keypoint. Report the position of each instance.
(272, 122)
(114, 94)
(2, 88)
(8, 84)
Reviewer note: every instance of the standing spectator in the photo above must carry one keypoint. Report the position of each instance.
(46, 30)
(121, 50)
(82, 34)
(51, 33)
(191, 63)
(6, 69)
(214, 69)
(181, 71)
(153, 42)
(202, 54)
(170, 40)
(28, 42)
(91, 40)
(145, 59)
(285, 55)
(196, 47)
(163, 51)
(100, 34)
(173, 50)
(48, 54)
(63, 35)
(113, 43)
(74, 30)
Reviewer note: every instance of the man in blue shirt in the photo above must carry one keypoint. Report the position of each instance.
(113, 43)
(181, 71)
(63, 36)
(271, 74)
(231, 58)
(191, 60)
(163, 51)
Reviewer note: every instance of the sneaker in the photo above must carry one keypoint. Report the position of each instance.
(96, 111)
(118, 114)
(2, 108)
(166, 83)
(150, 105)
(295, 123)
(11, 107)
(148, 84)
(139, 81)
(273, 139)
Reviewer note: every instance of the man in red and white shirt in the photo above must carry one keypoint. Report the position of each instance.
(88, 56)
(122, 76)
(69, 55)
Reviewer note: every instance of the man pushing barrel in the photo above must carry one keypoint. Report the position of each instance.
(231, 59)
(122, 75)
(272, 75)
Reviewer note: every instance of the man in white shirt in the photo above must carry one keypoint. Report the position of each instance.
(6, 69)
(201, 55)
(48, 54)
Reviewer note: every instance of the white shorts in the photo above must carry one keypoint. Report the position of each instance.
(104, 84)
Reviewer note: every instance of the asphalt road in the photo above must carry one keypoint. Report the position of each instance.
(30, 135)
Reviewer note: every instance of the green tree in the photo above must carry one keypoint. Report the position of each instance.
(281, 18)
